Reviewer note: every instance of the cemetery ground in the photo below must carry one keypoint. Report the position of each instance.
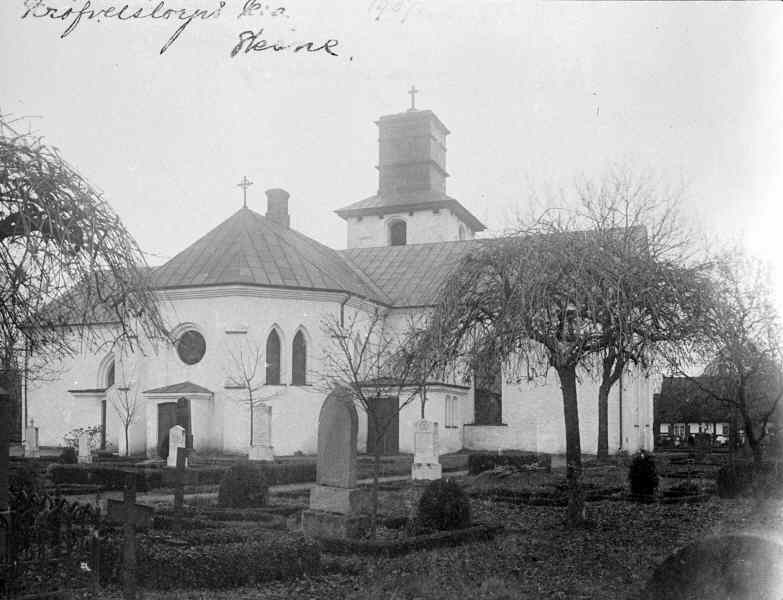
(534, 556)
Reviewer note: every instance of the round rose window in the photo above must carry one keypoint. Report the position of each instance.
(191, 347)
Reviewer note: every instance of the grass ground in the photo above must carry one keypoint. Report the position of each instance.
(537, 557)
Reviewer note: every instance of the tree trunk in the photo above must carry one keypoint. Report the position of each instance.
(603, 420)
(5, 512)
(252, 410)
(610, 373)
(576, 512)
(376, 470)
(127, 445)
(754, 442)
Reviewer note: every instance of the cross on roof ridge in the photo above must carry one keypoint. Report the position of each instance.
(244, 184)
(412, 92)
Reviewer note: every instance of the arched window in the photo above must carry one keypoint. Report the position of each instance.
(110, 375)
(273, 359)
(299, 360)
(398, 231)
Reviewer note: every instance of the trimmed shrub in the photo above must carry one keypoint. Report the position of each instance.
(733, 481)
(243, 486)
(478, 462)
(221, 565)
(642, 475)
(68, 456)
(443, 506)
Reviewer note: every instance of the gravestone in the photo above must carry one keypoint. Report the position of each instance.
(31, 449)
(337, 506)
(261, 448)
(85, 452)
(426, 462)
(739, 565)
(176, 440)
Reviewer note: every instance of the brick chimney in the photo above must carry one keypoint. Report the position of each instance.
(277, 207)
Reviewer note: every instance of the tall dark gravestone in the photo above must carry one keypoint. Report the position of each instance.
(337, 506)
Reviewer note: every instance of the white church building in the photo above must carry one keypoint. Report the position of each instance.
(255, 282)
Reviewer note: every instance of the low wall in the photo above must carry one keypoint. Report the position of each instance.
(487, 437)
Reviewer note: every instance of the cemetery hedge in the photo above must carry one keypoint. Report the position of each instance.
(213, 565)
(108, 478)
(112, 477)
(285, 473)
(166, 522)
(439, 539)
(243, 485)
(478, 462)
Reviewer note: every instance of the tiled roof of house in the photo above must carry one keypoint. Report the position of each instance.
(410, 275)
(410, 201)
(251, 249)
(185, 387)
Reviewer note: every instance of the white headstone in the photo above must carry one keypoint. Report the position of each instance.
(85, 452)
(176, 440)
(426, 447)
(31, 449)
(261, 448)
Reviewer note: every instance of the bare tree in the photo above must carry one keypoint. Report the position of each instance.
(376, 363)
(66, 261)
(554, 295)
(66, 264)
(127, 407)
(739, 329)
(242, 371)
(634, 220)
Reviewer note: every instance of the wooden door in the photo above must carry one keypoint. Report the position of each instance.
(167, 418)
(387, 411)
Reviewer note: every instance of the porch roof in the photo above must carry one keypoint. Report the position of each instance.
(185, 387)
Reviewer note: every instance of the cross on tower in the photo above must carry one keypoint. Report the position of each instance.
(244, 184)
(413, 91)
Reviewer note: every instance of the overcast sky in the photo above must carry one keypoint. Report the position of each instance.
(534, 95)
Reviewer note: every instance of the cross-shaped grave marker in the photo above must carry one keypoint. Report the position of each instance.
(179, 483)
(132, 515)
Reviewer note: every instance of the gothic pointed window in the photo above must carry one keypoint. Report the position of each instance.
(398, 233)
(273, 359)
(110, 375)
(299, 360)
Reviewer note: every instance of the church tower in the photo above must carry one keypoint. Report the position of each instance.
(411, 206)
